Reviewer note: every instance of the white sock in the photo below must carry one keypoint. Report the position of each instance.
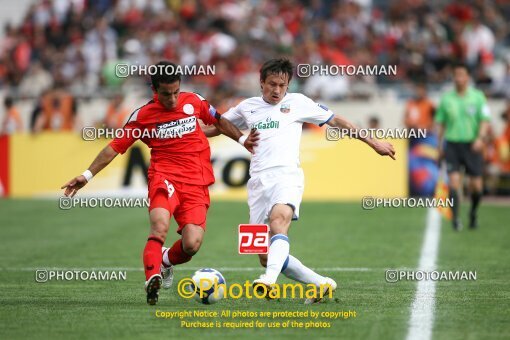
(166, 260)
(295, 270)
(278, 253)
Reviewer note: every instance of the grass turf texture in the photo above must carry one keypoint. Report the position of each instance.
(36, 234)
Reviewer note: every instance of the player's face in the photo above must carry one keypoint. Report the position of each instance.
(460, 78)
(274, 87)
(168, 94)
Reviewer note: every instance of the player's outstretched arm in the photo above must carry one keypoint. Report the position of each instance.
(382, 148)
(228, 129)
(102, 160)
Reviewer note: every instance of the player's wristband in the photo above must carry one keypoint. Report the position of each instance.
(88, 175)
(242, 139)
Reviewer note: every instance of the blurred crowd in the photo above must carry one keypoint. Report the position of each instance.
(76, 43)
(65, 51)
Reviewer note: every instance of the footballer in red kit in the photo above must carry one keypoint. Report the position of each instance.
(179, 174)
(180, 156)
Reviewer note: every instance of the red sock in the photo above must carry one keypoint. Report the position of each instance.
(176, 254)
(152, 256)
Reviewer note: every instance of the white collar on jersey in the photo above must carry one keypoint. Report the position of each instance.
(262, 97)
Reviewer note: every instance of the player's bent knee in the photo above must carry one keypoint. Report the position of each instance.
(192, 246)
(279, 221)
(279, 227)
(192, 236)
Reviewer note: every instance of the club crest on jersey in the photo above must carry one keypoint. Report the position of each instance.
(188, 109)
(285, 108)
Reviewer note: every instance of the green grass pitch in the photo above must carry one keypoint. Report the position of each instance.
(339, 236)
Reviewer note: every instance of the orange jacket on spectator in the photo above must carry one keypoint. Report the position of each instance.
(57, 112)
(12, 122)
(503, 150)
(116, 116)
(419, 114)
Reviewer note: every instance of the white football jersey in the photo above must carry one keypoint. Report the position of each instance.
(279, 125)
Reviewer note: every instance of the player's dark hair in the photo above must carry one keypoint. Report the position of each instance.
(276, 66)
(164, 77)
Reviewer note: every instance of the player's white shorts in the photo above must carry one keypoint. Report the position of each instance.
(276, 185)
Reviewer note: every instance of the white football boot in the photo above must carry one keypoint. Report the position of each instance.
(167, 273)
(328, 285)
(263, 286)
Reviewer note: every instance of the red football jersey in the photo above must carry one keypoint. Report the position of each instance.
(179, 149)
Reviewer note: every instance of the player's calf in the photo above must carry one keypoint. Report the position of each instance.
(263, 260)
(152, 256)
(181, 252)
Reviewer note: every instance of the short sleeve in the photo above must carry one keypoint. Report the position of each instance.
(235, 116)
(124, 140)
(314, 113)
(485, 112)
(207, 112)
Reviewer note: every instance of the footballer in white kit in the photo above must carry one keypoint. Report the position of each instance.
(276, 185)
(276, 176)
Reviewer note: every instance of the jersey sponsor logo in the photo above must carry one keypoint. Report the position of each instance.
(253, 239)
(176, 128)
(267, 124)
(285, 108)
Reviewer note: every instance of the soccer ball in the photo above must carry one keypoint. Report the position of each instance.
(209, 286)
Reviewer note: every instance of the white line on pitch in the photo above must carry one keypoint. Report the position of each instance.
(422, 310)
(226, 269)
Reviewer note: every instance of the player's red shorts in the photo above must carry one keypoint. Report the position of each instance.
(187, 203)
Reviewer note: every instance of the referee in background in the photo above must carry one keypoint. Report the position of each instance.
(463, 121)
